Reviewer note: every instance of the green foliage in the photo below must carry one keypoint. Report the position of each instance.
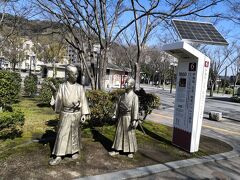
(235, 99)
(11, 124)
(148, 102)
(228, 91)
(238, 91)
(30, 85)
(46, 92)
(225, 83)
(115, 94)
(101, 107)
(10, 85)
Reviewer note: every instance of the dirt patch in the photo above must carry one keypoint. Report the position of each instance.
(31, 161)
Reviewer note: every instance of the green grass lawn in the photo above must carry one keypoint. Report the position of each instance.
(21, 155)
(35, 124)
(35, 117)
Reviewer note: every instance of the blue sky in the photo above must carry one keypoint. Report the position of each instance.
(228, 29)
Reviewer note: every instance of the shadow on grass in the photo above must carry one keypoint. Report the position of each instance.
(97, 136)
(52, 122)
(48, 137)
(11, 135)
(155, 136)
(43, 105)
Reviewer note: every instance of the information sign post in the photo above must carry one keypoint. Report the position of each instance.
(191, 86)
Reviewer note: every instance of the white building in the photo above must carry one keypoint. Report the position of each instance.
(56, 70)
(116, 76)
(30, 60)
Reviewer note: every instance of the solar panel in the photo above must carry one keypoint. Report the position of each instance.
(199, 32)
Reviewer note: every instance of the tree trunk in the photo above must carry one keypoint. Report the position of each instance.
(211, 90)
(137, 76)
(153, 78)
(54, 70)
(235, 83)
(218, 88)
(224, 82)
(163, 84)
(14, 66)
(92, 82)
(102, 70)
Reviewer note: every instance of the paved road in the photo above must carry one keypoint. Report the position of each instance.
(227, 130)
(218, 103)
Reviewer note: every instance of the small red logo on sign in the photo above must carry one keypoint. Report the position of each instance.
(206, 64)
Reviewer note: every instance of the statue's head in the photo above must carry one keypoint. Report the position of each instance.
(129, 84)
(72, 73)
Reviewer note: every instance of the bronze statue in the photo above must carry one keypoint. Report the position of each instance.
(70, 101)
(127, 115)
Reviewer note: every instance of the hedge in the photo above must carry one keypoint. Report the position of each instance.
(102, 105)
(10, 86)
(235, 99)
(45, 92)
(228, 91)
(11, 124)
(148, 102)
(30, 85)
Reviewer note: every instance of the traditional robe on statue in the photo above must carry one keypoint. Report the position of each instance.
(126, 111)
(67, 140)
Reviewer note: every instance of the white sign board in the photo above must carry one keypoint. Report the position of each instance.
(191, 86)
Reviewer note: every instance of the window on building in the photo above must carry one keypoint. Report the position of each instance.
(27, 65)
(108, 71)
(33, 60)
(27, 46)
(44, 72)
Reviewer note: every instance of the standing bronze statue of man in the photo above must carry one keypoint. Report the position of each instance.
(70, 101)
(127, 115)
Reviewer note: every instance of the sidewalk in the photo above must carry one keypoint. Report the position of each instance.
(224, 169)
(184, 169)
(219, 166)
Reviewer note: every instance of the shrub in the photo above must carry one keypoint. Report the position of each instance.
(235, 99)
(148, 102)
(11, 124)
(101, 107)
(238, 91)
(30, 85)
(10, 86)
(115, 94)
(45, 92)
(228, 91)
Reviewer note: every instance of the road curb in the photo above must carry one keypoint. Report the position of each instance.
(158, 168)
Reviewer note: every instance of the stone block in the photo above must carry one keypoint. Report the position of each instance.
(216, 116)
